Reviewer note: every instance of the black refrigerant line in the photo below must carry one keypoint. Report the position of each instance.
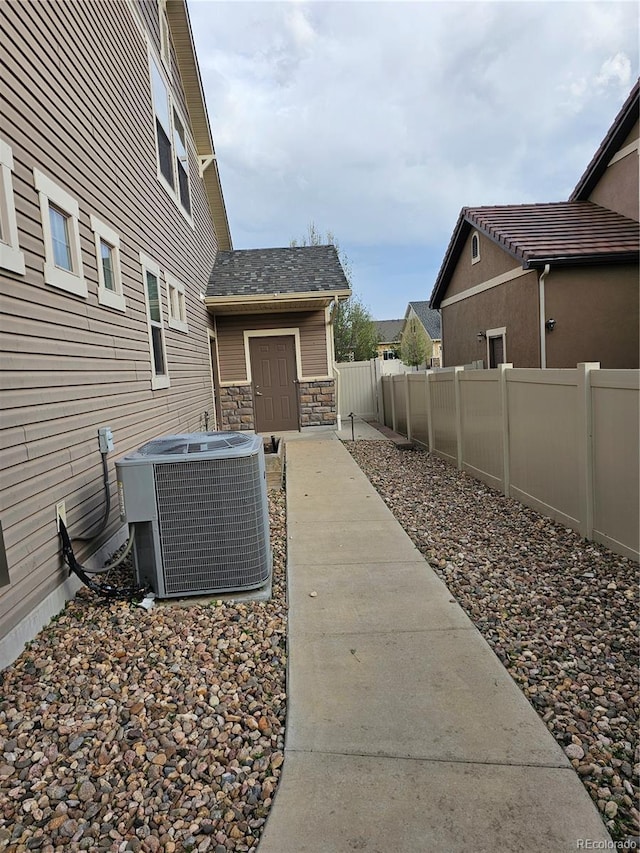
(106, 590)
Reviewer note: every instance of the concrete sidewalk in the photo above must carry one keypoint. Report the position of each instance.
(405, 734)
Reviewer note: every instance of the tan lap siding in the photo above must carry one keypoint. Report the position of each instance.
(230, 334)
(69, 365)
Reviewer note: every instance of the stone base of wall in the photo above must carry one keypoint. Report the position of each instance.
(236, 408)
(317, 403)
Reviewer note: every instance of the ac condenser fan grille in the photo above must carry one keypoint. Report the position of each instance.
(212, 530)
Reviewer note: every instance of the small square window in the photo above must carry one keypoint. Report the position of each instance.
(11, 258)
(108, 264)
(62, 254)
(177, 305)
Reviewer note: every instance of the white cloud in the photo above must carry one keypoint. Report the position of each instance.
(380, 120)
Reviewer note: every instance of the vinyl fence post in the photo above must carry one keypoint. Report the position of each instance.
(504, 407)
(456, 387)
(407, 405)
(427, 391)
(394, 420)
(585, 439)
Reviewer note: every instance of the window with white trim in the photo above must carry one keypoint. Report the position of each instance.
(11, 258)
(165, 44)
(62, 255)
(153, 302)
(171, 141)
(108, 264)
(176, 302)
(475, 247)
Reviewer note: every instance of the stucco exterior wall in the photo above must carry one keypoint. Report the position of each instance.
(617, 189)
(597, 314)
(493, 262)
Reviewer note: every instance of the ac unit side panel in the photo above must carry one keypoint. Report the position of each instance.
(213, 524)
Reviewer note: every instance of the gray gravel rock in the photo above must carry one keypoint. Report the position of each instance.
(126, 729)
(560, 612)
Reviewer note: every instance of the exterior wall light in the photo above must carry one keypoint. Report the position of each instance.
(482, 335)
(550, 325)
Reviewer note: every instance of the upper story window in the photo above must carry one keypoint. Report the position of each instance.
(62, 255)
(165, 44)
(171, 141)
(177, 305)
(108, 263)
(475, 247)
(11, 258)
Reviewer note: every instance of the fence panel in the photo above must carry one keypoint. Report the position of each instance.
(418, 407)
(400, 403)
(616, 506)
(443, 412)
(544, 441)
(481, 404)
(358, 389)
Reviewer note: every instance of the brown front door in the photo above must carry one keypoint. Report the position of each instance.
(273, 371)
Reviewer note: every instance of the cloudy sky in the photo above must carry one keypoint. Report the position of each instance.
(378, 121)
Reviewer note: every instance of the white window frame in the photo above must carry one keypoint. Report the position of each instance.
(165, 38)
(177, 303)
(51, 194)
(475, 237)
(103, 234)
(11, 258)
(149, 265)
(173, 191)
(497, 333)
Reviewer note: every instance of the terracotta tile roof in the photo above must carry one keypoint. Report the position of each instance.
(299, 269)
(569, 233)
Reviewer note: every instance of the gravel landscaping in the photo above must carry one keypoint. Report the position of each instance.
(125, 729)
(560, 612)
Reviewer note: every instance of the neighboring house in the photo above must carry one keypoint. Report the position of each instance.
(388, 332)
(429, 319)
(111, 215)
(273, 349)
(550, 285)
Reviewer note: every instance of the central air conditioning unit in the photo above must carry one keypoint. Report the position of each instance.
(198, 505)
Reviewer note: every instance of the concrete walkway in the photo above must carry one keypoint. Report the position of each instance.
(405, 734)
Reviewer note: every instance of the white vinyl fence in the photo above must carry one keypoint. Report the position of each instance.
(564, 442)
(358, 389)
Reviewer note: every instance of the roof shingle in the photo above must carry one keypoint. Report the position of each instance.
(297, 269)
(388, 330)
(429, 318)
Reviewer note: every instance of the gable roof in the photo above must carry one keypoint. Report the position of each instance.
(615, 136)
(388, 331)
(182, 38)
(567, 233)
(429, 317)
(298, 277)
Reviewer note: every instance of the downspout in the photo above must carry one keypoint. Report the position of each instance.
(543, 331)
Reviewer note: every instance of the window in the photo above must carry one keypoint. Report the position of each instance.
(108, 263)
(475, 247)
(11, 258)
(171, 141)
(153, 300)
(177, 306)
(62, 255)
(165, 49)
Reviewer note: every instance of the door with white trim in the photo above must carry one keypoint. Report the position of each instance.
(275, 391)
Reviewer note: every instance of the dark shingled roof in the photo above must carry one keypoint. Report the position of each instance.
(298, 269)
(568, 233)
(388, 330)
(429, 318)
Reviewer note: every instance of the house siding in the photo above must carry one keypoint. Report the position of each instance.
(230, 336)
(617, 189)
(493, 262)
(80, 111)
(574, 297)
(513, 305)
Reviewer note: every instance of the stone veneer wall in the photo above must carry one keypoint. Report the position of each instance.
(317, 402)
(236, 407)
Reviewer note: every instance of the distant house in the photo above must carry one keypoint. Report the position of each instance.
(429, 319)
(550, 285)
(273, 347)
(388, 332)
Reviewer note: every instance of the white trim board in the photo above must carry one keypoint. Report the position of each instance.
(503, 278)
(272, 333)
